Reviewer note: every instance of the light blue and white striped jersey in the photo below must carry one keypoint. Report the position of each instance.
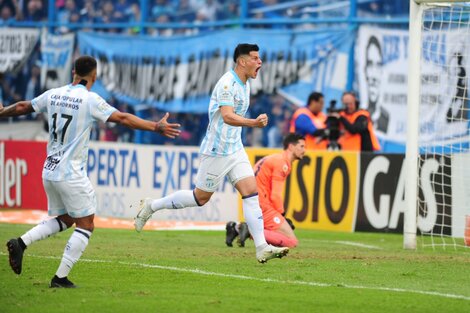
(71, 111)
(222, 139)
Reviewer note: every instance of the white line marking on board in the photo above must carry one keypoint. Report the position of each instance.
(268, 280)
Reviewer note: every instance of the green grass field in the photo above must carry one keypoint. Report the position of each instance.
(193, 271)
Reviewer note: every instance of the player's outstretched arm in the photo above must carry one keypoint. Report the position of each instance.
(17, 109)
(168, 129)
(230, 117)
(162, 126)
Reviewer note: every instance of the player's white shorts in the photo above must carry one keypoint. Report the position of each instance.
(74, 197)
(212, 170)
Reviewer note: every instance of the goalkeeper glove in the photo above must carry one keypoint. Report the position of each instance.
(291, 224)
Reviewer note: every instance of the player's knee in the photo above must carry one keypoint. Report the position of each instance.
(202, 197)
(86, 223)
(247, 186)
(201, 200)
(67, 220)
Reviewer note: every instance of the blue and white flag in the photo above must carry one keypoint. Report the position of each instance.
(56, 59)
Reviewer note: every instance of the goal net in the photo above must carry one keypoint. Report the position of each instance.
(440, 135)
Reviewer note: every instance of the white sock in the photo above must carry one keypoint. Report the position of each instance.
(254, 219)
(177, 200)
(73, 251)
(43, 230)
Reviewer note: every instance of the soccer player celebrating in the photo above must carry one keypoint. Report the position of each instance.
(222, 153)
(271, 173)
(71, 110)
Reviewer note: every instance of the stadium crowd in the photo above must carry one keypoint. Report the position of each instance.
(90, 12)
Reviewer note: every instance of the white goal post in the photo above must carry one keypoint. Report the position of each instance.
(437, 195)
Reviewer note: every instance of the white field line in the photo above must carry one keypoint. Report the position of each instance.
(267, 280)
(357, 244)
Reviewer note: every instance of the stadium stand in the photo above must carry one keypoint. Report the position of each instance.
(166, 18)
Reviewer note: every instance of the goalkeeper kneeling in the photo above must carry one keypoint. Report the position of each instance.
(271, 173)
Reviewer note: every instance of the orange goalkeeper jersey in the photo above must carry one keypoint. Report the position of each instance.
(271, 173)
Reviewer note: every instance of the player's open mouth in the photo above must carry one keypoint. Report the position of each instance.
(257, 69)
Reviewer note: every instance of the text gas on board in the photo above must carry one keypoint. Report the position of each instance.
(387, 211)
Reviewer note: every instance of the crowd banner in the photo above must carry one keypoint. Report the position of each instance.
(178, 74)
(56, 59)
(382, 72)
(16, 44)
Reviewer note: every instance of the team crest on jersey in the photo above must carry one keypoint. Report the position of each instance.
(237, 101)
(285, 168)
(209, 183)
(102, 106)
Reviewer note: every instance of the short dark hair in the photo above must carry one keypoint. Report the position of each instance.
(314, 96)
(292, 138)
(244, 49)
(373, 41)
(352, 93)
(84, 65)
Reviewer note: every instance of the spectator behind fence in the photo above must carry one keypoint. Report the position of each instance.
(229, 11)
(165, 32)
(183, 11)
(134, 16)
(210, 9)
(276, 133)
(123, 10)
(33, 87)
(280, 115)
(161, 7)
(8, 12)
(310, 121)
(65, 14)
(35, 11)
(88, 13)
